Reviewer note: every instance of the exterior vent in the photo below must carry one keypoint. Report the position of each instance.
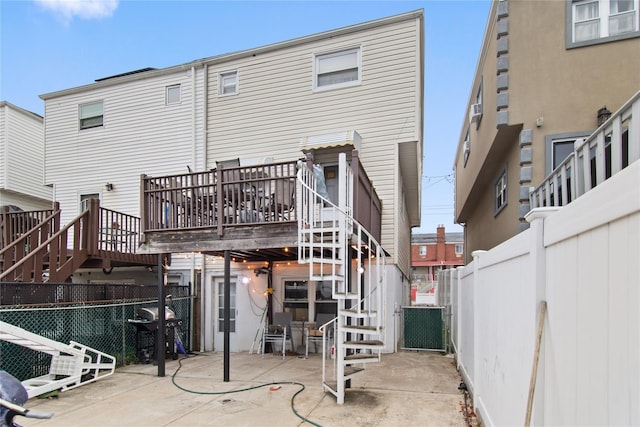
(475, 112)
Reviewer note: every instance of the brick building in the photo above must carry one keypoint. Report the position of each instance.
(430, 253)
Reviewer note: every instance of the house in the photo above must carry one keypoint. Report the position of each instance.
(431, 253)
(548, 75)
(283, 178)
(22, 131)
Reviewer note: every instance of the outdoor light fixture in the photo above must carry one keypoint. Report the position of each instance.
(603, 115)
(108, 186)
(261, 270)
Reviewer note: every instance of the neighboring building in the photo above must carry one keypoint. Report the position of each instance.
(547, 74)
(21, 176)
(430, 253)
(354, 91)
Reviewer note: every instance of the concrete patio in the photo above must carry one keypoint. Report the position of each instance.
(407, 388)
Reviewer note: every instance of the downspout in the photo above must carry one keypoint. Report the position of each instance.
(193, 117)
(205, 112)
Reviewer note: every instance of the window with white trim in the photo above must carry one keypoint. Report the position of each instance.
(458, 249)
(91, 115)
(423, 250)
(228, 82)
(602, 20)
(500, 192)
(232, 306)
(466, 148)
(172, 94)
(337, 69)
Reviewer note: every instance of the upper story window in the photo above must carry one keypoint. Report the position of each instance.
(597, 21)
(337, 69)
(90, 115)
(500, 199)
(458, 249)
(173, 94)
(423, 250)
(466, 148)
(228, 82)
(558, 147)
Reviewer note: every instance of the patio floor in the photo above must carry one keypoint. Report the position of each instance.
(406, 388)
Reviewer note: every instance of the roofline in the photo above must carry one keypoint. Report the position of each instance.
(21, 110)
(419, 13)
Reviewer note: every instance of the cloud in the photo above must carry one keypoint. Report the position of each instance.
(84, 9)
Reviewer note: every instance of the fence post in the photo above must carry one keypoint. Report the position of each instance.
(477, 282)
(537, 253)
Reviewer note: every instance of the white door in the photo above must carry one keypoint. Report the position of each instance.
(218, 315)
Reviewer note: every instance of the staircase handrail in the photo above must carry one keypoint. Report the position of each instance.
(336, 207)
(29, 233)
(42, 248)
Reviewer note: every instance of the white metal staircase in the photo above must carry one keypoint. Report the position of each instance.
(339, 250)
(72, 365)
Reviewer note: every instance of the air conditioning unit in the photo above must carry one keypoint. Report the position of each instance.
(475, 112)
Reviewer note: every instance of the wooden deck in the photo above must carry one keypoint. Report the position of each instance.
(251, 210)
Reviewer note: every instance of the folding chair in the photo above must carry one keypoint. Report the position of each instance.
(278, 332)
(313, 335)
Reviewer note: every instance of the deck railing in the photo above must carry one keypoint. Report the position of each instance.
(219, 198)
(15, 223)
(611, 148)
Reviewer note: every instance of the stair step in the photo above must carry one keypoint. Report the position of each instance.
(350, 371)
(346, 295)
(361, 358)
(364, 344)
(327, 277)
(360, 329)
(317, 260)
(362, 314)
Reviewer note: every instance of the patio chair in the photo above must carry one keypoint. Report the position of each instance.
(278, 332)
(282, 200)
(313, 335)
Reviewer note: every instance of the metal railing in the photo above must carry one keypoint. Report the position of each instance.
(611, 148)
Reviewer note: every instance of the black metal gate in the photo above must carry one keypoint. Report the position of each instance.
(423, 328)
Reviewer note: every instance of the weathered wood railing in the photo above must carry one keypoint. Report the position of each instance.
(611, 148)
(97, 234)
(13, 224)
(219, 198)
(240, 196)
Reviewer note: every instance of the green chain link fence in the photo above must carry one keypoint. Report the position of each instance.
(423, 328)
(99, 324)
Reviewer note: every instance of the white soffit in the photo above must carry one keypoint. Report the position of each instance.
(336, 139)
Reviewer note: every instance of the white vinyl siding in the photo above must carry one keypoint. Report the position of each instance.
(277, 107)
(82, 162)
(22, 132)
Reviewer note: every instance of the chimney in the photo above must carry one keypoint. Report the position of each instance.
(440, 249)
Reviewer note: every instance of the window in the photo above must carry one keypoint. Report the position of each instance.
(232, 306)
(500, 199)
(91, 115)
(596, 21)
(337, 69)
(173, 94)
(228, 82)
(305, 300)
(423, 251)
(467, 148)
(558, 147)
(84, 200)
(458, 249)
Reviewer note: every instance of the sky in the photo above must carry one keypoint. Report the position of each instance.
(51, 45)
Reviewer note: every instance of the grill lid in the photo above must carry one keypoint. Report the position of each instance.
(151, 313)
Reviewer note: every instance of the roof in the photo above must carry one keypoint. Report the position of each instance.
(454, 237)
(149, 72)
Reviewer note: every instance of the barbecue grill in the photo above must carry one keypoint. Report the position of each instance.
(146, 323)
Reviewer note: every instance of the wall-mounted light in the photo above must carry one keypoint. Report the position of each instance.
(261, 270)
(603, 115)
(108, 186)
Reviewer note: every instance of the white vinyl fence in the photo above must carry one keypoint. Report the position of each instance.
(583, 260)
